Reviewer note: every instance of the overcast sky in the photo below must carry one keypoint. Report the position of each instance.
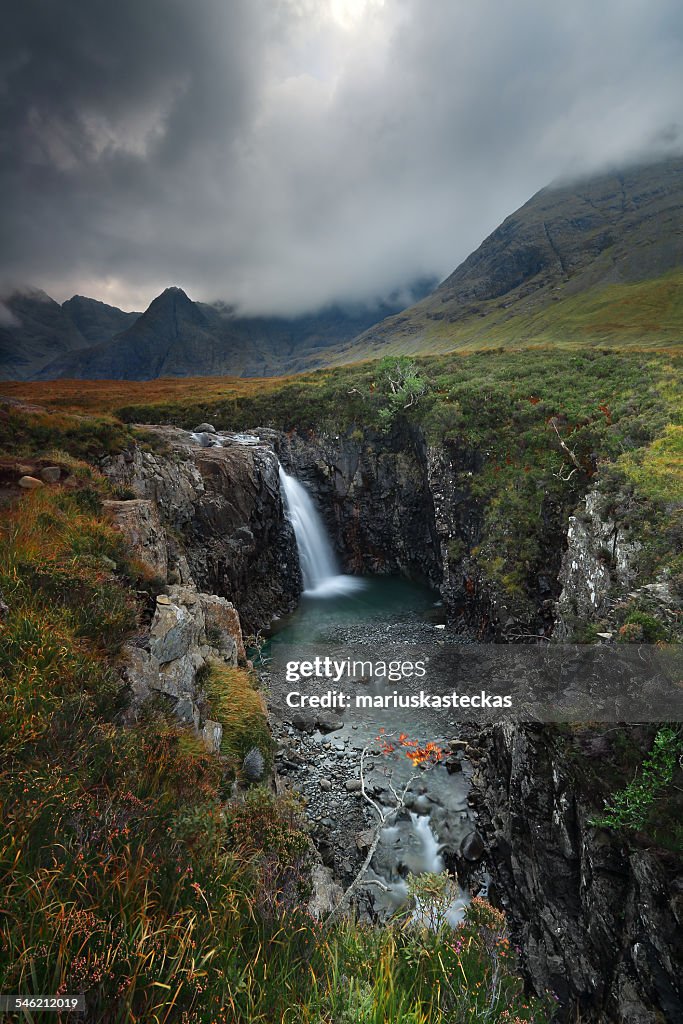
(283, 153)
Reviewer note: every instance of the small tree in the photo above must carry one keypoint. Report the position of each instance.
(399, 384)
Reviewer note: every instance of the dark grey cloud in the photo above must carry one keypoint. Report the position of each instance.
(282, 153)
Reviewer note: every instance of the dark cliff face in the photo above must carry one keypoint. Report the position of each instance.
(223, 511)
(597, 918)
(392, 504)
(374, 495)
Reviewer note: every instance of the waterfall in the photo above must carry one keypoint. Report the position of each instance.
(318, 564)
(432, 861)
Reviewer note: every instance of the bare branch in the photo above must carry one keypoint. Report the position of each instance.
(565, 448)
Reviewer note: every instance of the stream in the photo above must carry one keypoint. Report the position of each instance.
(322, 758)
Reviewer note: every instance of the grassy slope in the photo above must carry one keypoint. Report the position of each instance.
(644, 315)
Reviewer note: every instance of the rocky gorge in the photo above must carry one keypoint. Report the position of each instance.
(595, 917)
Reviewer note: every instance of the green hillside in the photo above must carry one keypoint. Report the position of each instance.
(646, 314)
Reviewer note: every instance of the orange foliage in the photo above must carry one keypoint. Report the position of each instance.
(430, 753)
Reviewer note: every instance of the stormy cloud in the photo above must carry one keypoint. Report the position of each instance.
(279, 154)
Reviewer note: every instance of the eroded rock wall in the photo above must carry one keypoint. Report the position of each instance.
(222, 512)
(598, 566)
(598, 919)
(373, 493)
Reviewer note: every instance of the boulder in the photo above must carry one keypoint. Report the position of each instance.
(205, 428)
(472, 847)
(303, 722)
(172, 633)
(50, 474)
(458, 744)
(329, 723)
(30, 483)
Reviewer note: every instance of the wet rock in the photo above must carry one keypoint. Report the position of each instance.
(458, 744)
(453, 765)
(604, 933)
(364, 839)
(329, 723)
(472, 847)
(50, 474)
(205, 428)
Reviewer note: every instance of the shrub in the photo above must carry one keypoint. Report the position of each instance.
(630, 808)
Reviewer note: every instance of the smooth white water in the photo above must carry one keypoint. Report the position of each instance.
(411, 845)
(318, 564)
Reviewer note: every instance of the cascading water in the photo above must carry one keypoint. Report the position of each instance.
(318, 564)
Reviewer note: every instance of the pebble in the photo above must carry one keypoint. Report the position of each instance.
(458, 744)
(352, 786)
(325, 785)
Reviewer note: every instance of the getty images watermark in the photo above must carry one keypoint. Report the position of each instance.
(492, 682)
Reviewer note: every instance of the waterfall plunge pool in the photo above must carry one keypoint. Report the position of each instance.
(336, 609)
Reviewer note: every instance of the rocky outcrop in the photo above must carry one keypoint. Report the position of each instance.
(598, 566)
(596, 918)
(188, 631)
(222, 512)
(139, 520)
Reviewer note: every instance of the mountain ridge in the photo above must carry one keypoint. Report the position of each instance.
(176, 336)
(585, 237)
(595, 261)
